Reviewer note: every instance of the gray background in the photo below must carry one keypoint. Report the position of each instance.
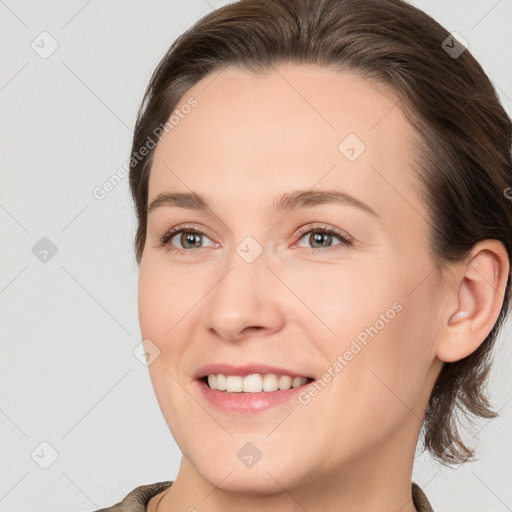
(69, 324)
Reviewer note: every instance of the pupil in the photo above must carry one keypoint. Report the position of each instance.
(317, 237)
(189, 239)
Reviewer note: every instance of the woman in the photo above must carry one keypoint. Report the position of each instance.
(324, 244)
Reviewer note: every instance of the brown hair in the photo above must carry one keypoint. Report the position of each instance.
(463, 144)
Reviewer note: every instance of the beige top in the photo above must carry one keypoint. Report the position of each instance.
(137, 500)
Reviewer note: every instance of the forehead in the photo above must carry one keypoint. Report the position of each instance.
(259, 135)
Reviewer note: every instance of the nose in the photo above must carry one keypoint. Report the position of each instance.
(245, 301)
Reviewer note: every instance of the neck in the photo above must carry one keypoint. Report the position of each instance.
(379, 479)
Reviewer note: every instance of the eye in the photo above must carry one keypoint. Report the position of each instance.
(185, 239)
(186, 236)
(321, 237)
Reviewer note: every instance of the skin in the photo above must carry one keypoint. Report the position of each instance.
(251, 139)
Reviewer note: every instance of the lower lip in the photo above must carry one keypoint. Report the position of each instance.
(247, 403)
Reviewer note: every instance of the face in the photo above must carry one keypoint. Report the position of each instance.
(306, 257)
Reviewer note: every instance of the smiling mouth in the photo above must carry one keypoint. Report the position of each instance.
(254, 382)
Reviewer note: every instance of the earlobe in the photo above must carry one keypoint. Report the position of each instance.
(480, 288)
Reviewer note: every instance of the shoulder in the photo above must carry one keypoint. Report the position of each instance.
(420, 500)
(137, 500)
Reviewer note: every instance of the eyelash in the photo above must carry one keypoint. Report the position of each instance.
(345, 239)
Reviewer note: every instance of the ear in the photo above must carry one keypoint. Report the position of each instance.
(478, 292)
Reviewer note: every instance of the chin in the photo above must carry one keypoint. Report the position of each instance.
(228, 467)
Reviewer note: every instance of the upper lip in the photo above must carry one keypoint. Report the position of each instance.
(246, 369)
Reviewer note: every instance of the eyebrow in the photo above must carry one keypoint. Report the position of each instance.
(298, 199)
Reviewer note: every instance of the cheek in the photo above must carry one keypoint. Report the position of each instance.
(165, 299)
(186, 423)
(379, 389)
(390, 370)
(384, 336)
(148, 296)
(163, 319)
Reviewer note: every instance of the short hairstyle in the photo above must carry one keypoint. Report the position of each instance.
(462, 137)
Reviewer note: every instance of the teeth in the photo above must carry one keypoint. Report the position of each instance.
(254, 383)
(221, 382)
(270, 382)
